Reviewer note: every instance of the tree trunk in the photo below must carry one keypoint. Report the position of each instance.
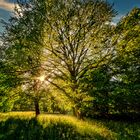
(77, 113)
(37, 111)
(105, 106)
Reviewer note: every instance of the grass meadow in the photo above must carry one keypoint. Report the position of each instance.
(24, 126)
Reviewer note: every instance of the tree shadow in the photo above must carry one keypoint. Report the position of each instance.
(20, 129)
(121, 117)
(123, 126)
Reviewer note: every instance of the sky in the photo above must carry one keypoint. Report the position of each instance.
(121, 6)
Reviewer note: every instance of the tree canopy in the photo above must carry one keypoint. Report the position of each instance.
(67, 51)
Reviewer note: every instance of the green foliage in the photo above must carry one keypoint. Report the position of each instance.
(8, 89)
(127, 64)
(115, 84)
(97, 84)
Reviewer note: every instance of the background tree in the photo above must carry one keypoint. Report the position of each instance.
(97, 83)
(114, 85)
(7, 88)
(127, 63)
(23, 46)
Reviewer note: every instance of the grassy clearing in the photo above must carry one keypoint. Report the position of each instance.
(23, 126)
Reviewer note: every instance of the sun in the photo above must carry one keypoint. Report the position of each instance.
(41, 78)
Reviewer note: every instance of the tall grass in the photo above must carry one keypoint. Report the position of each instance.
(24, 126)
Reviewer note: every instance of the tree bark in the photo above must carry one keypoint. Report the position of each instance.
(37, 110)
(77, 113)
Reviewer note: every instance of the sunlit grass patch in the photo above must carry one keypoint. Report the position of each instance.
(84, 128)
(24, 125)
(21, 115)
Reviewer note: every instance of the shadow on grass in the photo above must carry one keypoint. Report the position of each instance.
(124, 130)
(15, 129)
(124, 117)
(125, 126)
(31, 129)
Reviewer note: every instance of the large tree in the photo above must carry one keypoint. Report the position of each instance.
(76, 39)
(71, 34)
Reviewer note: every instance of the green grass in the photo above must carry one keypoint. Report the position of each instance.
(24, 126)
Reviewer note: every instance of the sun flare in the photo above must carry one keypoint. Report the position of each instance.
(41, 78)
